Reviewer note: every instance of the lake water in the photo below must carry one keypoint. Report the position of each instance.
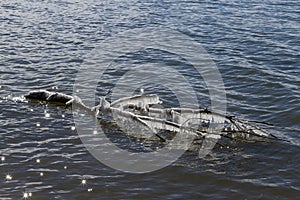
(255, 46)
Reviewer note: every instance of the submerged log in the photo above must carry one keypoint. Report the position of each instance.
(198, 123)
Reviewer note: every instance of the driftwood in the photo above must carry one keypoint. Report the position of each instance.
(140, 112)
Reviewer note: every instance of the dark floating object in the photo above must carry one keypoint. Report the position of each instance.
(138, 112)
(54, 97)
(57, 98)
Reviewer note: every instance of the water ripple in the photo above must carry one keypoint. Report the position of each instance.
(254, 44)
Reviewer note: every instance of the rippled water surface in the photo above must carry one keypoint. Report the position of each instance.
(254, 44)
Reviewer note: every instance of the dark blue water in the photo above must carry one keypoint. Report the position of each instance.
(255, 46)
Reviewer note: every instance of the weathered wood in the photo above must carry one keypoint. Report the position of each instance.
(198, 123)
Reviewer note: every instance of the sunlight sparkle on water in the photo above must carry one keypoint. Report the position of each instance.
(2, 158)
(8, 177)
(83, 181)
(26, 195)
